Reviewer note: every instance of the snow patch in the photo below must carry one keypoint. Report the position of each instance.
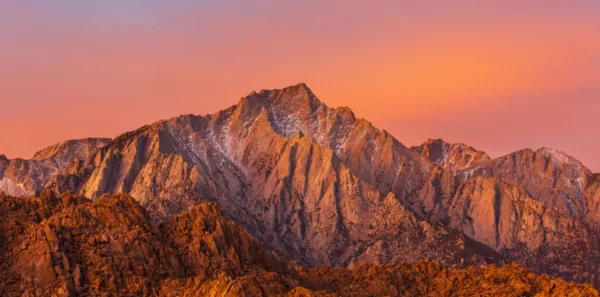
(10, 188)
(468, 173)
(398, 173)
(557, 157)
(286, 125)
(184, 143)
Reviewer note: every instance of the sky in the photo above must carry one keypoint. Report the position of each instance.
(497, 76)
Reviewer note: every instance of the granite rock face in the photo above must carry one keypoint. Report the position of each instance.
(454, 157)
(592, 194)
(548, 175)
(312, 183)
(505, 217)
(22, 178)
(68, 245)
(535, 207)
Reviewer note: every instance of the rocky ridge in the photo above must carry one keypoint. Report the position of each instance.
(23, 178)
(68, 245)
(535, 207)
(454, 157)
(314, 195)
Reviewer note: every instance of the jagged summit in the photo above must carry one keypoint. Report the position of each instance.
(77, 148)
(286, 107)
(300, 88)
(296, 95)
(558, 156)
(22, 177)
(548, 175)
(456, 156)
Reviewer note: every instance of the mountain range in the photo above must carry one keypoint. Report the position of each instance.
(318, 186)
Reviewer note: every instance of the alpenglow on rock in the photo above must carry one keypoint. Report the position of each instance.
(312, 183)
(68, 245)
(319, 186)
(22, 178)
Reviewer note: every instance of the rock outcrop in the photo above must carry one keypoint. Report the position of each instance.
(69, 246)
(22, 178)
(454, 157)
(549, 176)
(535, 207)
(312, 183)
(505, 217)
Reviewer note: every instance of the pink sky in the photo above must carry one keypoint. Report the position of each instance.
(499, 77)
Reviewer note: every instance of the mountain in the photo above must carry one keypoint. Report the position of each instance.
(19, 177)
(548, 175)
(317, 186)
(68, 245)
(312, 183)
(455, 156)
(535, 207)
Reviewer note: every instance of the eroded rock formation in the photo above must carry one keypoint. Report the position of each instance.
(69, 246)
(23, 178)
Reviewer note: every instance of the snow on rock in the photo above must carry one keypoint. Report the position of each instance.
(12, 189)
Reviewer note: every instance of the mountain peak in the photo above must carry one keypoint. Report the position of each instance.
(299, 86)
(556, 155)
(289, 109)
(455, 156)
(3, 157)
(296, 95)
(437, 141)
(76, 147)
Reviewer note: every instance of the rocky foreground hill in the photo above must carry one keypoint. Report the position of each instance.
(68, 245)
(318, 186)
